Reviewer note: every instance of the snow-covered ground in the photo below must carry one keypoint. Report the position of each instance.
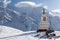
(8, 33)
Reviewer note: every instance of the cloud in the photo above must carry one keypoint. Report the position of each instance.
(25, 4)
(6, 2)
(29, 4)
(56, 10)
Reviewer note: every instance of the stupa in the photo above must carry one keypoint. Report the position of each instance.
(44, 24)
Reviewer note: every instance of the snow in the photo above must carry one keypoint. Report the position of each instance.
(6, 2)
(8, 31)
(27, 36)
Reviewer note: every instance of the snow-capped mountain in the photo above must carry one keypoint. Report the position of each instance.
(35, 12)
(27, 17)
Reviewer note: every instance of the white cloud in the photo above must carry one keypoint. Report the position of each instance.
(56, 10)
(6, 2)
(27, 3)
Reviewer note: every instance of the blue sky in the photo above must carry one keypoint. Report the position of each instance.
(52, 4)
